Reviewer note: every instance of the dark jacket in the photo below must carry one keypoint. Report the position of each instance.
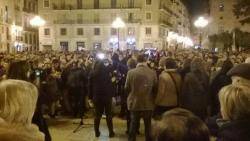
(219, 82)
(235, 131)
(194, 96)
(77, 78)
(101, 84)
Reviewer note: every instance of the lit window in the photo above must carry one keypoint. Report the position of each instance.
(97, 31)
(47, 31)
(148, 16)
(148, 30)
(46, 3)
(148, 2)
(63, 31)
(221, 7)
(80, 31)
(131, 31)
(113, 3)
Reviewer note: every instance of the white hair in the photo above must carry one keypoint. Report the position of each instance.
(247, 60)
(17, 101)
(237, 80)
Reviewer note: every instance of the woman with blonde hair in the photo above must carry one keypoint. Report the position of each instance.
(235, 111)
(17, 105)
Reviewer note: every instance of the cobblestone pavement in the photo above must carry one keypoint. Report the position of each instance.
(61, 129)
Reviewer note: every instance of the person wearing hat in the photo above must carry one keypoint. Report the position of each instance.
(240, 74)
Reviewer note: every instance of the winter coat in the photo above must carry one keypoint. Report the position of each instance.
(141, 84)
(168, 90)
(101, 87)
(218, 82)
(19, 133)
(194, 96)
(235, 131)
(77, 78)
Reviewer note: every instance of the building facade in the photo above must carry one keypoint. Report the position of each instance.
(222, 17)
(16, 34)
(87, 24)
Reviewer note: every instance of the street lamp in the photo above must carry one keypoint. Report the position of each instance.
(117, 24)
(37, 21)
(201, 23)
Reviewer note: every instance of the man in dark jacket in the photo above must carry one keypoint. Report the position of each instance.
(102, 93)
(77, 82)
(141, 84)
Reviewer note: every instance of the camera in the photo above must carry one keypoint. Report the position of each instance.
(38, 72)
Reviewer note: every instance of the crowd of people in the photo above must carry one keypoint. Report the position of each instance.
(191, 94)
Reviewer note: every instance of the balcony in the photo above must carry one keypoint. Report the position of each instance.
(72, 7)
(166, 9)
(65, 21)
(101, 21)
(165, 23)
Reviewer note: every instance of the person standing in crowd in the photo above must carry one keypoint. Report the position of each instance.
(141, 84)
(17, 106)
(195, 95)
(77, 83)
(20, 70)
(220, 80)
(180, 125)
(169, 88)
(235, 103)
(131, 64)
(186, 68)
(161, 67)
(240, 74)
(102, 93)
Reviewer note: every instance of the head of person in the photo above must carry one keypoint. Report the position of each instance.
(226, 66)
(235, 102)
(197, 65)
(240, 74)
(19, 70)
(180, 125)
(17, 101)
(131, 63)
(141, 58)
(187, 63)
(170, 63)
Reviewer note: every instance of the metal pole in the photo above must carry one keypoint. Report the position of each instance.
(118, 36)
(200, 38)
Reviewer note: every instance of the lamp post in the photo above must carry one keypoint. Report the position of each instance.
(200, 23)
(37, 21)
(117, 24)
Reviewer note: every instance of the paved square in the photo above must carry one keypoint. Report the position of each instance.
(62, 130)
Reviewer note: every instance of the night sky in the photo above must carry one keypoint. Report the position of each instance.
(197, 7)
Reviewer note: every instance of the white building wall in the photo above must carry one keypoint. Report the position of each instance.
(58, 16)
(224, 20)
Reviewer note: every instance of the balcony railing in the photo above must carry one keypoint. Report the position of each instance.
(72, 7)
(165, 22)
(167, 9)
(85, 21)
